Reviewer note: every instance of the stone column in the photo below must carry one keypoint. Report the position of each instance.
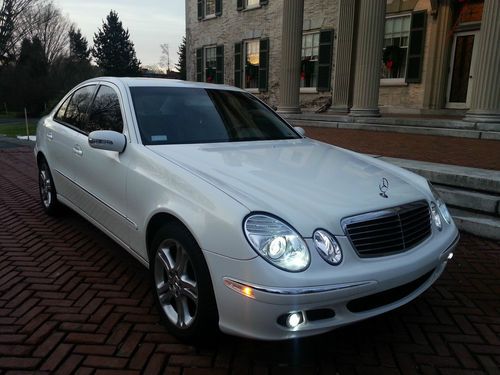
(485, 99)
(369, 45)
(436, 76)
(291, 55)
(343, 57)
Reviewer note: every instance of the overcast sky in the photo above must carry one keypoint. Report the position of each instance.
(150, 22)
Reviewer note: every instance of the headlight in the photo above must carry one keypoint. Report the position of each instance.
(277, 242)
(435, 216)
(441, 206)
(327, 247)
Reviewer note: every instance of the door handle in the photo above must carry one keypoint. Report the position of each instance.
(77, 150)
(49, 135)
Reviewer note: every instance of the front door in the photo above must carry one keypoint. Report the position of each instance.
(461, 74)
(102, 174)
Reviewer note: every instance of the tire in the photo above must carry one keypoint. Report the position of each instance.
(47, 189)
(181, 284)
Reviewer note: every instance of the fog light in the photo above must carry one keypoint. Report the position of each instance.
(450, 256)
(294, 319)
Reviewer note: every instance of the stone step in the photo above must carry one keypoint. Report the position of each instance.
(450, 128)
(477, 224)
(384, 120)
(484, 180)
(472, 200)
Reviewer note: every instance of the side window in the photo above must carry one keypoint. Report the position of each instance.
(62, 110)
(105, 113)
(76, 110)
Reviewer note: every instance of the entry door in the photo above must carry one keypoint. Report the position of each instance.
(461, 76)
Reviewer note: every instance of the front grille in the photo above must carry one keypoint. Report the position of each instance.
(389, 231)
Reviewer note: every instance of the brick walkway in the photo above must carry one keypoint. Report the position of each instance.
(71, 301)
(476, 153)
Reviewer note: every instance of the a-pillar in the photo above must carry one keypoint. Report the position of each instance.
(369, 45)
(291, 55)
(485, 99)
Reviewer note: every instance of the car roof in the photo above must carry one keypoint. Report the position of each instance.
(161, 82)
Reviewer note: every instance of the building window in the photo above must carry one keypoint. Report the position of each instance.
(252, 61)
(209, 8)
(396, 39)
(210, 64)
(310, 60)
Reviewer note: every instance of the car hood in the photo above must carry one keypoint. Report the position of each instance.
(307, 183)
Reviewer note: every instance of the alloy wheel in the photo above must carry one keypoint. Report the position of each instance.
(45, 184)
(176, 283)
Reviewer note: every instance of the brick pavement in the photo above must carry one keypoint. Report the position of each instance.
(72, 301)
(476, 153)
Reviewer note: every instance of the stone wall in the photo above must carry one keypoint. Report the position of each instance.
(265, 22)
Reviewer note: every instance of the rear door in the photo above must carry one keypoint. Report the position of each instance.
(64, 132)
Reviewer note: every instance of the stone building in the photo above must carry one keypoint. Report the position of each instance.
(365, 56)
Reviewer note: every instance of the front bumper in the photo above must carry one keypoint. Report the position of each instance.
(261, 315)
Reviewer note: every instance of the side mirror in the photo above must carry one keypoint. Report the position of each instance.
(300, 130)
(107, 140)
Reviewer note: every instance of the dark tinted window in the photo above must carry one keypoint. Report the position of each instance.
(169, 115)
(105, 113)
(62, 110)
(76, 110)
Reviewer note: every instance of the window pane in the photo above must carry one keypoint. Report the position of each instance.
(252, 64)
(77, 108)
(406, 24)
(398, 22)
(210, 64)
(105, 113)
(169, 115)
(388, 25)
(210, 10)
(252, 3)
(62, 110)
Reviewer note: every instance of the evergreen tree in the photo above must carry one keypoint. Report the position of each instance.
(113, 50)
(78, 46)
(31, 77)
(181, 65)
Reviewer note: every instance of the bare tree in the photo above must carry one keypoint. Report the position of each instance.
(165, 57)
(11, 12)
(45, 21)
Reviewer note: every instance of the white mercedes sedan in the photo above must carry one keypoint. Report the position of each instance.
(244, 223)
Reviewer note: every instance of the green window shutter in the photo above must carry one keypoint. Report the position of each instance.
(199, 65)
(201, 9)
(219, 73)
(237, 63)
(239, 5)
(263, 2)
(218, 7)
(416, 47)
(325, 60)
(263, 64)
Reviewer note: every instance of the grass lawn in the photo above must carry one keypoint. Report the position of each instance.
(13, 130)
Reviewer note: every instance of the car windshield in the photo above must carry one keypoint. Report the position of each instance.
(172, 115)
